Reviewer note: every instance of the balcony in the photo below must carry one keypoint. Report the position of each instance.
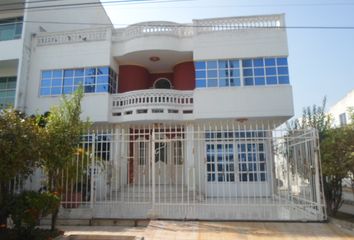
(10, 29)
(152, 105)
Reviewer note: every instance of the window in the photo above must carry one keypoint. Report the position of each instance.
(7, 91)
(246, 72)
(343, 119)
(245, 149)
(10, 28)
(66, 81)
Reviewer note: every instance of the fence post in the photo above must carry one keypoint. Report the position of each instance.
(93, 188)
(152, 159)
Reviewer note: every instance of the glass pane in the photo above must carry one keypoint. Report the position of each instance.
(212, 83)
(247, 72)
(102, 88)
(90, 71)
(271, 71)
(199, 65)
(235, 73)
(79, 72)
(69, 73)
(224, 82)
(56, 91)
(259, 71)
(200, 83)
(260, 81)
(46, 83)
(78, 81)
(235, 82)
(258, 62)
(89, 89)
(102, 70)
(247, 63)
(67, 90)
(271, 80)
(57, 82)
(223, 73)
(46, 74)
(248, 81)
(89, 80)
(223, 64)
(283, 80)
(282, 61)
(283, 71)
(200, 74)
(234, 63)
(270, 61)
(212, 64)
(68, 81)
(212, 73)
(102, 79)
(58, 74)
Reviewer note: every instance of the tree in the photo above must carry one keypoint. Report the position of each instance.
(19, 148)
(61, 135)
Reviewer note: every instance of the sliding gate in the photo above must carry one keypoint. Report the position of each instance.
(215, 170)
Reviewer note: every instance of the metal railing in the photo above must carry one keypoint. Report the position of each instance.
(208, 170)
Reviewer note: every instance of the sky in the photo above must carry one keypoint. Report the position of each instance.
(321, 62)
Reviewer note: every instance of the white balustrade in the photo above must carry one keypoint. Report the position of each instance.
(163, 101)
(56, 38)
(199, 26)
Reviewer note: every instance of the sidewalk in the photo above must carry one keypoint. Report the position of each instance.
(190, 230)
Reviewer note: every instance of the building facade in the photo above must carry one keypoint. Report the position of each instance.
(340, 111)
(185, 116)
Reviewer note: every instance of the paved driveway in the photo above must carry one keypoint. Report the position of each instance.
(188, 230)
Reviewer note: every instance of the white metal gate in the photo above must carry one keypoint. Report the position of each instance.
(209, 170)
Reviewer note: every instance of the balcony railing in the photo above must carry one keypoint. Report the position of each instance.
(151, 103)
(10, 29)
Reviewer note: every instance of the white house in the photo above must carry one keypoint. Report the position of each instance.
(340, 110)
(185, 115)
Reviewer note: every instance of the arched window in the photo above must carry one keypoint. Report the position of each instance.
(162, 83)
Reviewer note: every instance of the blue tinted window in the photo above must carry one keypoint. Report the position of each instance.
(46, 74)
(45, 91)
(224, 82)
(57, 73)
(89, 88)
(200, 74)
(283, 80)
(212, 64)
(283, 70)
(102, 71)
(102, 79)
(259, 71)
(234, 63)
(270, 62)
(212, 73)
(223, 73)
(68, 81)
(69, 73)
(56, 91)
(57, 82)
(90, 71)
(282, 61)
(248, 81)
(247, 63)
(89, 80)
(247, 72)
(223, 64)
(258, 62)
(200, 83)
(271, 80)
(259, 81)
(199, 65)
(235, 82)
(78, 81)
(46, 83)
(102, 88)
(67, 90)
(79, 72)
(271, 71)
(235, 73)
(212, 83)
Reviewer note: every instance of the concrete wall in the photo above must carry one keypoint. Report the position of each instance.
(342, 106)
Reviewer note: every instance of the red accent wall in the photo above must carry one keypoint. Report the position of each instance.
(132, 78)
(184, 76)
(155, 76)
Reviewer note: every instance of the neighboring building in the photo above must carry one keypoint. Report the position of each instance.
(185, 115)
(340, 110)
